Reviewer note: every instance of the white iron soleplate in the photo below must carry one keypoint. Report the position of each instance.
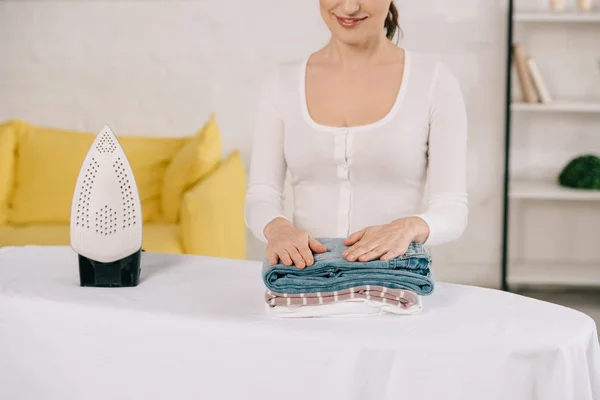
(106, 213)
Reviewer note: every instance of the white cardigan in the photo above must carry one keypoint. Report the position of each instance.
(412, 162)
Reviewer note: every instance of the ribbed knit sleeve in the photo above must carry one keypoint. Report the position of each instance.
(264, 198)
(447, 200)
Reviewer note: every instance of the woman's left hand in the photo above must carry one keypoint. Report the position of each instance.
(385, 241)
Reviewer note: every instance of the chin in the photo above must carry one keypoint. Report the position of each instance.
(352, 38)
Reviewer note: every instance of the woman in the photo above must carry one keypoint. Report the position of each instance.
(370, 133)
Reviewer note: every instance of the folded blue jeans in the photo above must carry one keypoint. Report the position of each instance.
(331, 272)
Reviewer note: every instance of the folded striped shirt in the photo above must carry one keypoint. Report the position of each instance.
(396, 297)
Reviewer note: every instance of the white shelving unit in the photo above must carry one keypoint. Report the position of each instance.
(516, 270)
(559, 106)
(558, 16)
(547, 190)
(554, 274)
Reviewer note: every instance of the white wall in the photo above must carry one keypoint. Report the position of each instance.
(160, 67)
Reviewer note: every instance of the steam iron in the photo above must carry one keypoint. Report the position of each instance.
(106, 217)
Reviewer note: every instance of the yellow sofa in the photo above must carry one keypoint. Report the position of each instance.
(192, 197)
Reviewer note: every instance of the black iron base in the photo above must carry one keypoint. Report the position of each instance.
(121, 273)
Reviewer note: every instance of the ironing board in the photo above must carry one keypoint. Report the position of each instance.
(195, 328)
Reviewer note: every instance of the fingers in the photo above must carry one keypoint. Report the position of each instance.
(272, 257)
(373, 254)
(285, 257)
(397, 251)
(306, 254)
(355, 237)
(356, 251)
(390, 254)
(316, 246)
(296, 251)
(296, 257)
(349, 250)
(300, 256)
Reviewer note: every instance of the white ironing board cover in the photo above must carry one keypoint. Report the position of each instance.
(196, 328)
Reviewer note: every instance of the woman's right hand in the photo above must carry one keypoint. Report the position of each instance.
(289, 244)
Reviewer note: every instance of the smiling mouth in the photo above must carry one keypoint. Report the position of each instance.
(349, 22)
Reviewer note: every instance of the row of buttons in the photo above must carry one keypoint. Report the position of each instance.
(342, 150)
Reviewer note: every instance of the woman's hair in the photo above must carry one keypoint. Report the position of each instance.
(391, 22)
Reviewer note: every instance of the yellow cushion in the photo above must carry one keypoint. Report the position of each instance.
(48, 163)
(8, 143)
(163, 238)
(192, 163)
(212, 215)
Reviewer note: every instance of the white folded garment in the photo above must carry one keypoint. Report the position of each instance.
(352, 308)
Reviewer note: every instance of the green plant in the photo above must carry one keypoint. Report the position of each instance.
(582, 172)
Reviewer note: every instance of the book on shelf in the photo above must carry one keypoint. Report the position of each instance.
(525, 82)
(538, 81)
(531, 82)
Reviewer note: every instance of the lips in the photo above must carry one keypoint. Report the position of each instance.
(349, 22)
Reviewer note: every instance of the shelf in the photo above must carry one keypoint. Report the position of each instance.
(553, 274)
(559, 16)
(558, 106)
(547, 190)
(564, 108)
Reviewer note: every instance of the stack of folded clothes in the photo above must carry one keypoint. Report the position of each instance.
(333, 286)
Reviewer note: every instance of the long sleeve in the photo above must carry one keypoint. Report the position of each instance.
(446, 210)
(264, 197)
